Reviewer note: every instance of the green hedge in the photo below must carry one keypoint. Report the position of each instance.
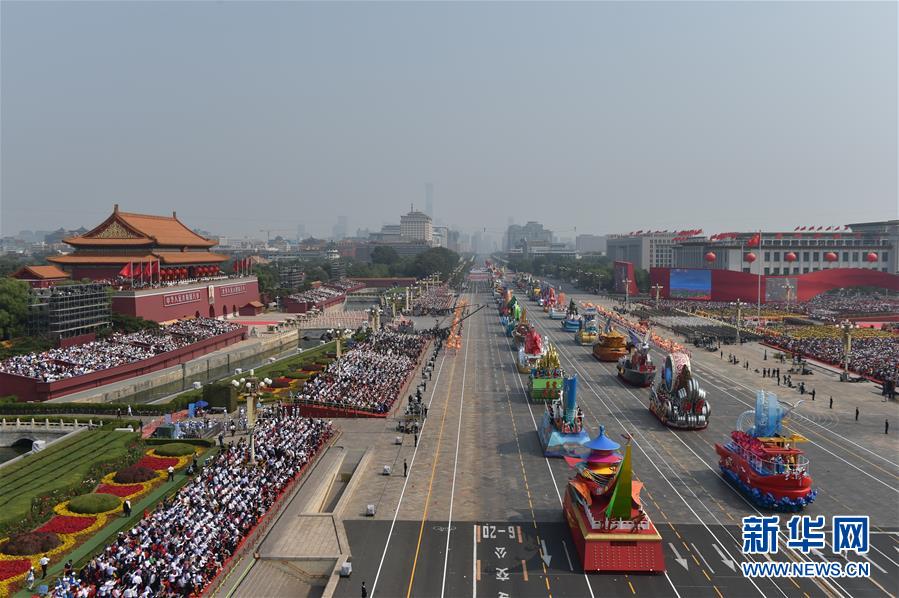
(175, 449)
(91, 504)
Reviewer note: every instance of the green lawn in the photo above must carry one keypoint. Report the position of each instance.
(63, 464)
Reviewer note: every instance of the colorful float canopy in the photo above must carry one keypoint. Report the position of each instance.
(790, 257)
(710, 256)
(749, 257)
(602, 442)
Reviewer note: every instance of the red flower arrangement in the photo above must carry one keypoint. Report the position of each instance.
(10, 569)
(66, 524)
(120, 491)
(158, 463)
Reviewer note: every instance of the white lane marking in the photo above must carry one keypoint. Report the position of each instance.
(712, 571)
(729, 563)
(474, 562)
(820, 446)
(677, 557)
(573, 362)
(567, 556)
(406, 481)
(455, 461)
(620, 384)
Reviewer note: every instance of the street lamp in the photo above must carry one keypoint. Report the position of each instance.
(627, 293)
(846, 327)
(657, 288)
(253, 387)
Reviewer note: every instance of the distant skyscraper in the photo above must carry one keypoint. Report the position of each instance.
(429, 199)
(340, 228)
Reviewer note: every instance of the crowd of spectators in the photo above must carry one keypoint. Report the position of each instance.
(118, 349)
(344, 285)
(179, 548)
(436, 301)
(369, 377)
(834, 306)
(317, 295)
(875, 357)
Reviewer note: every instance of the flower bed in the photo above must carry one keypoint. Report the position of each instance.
(30, 543)
(68, 524)
(94, 503)
(158, 463)
(174, 449)
(122, 491)
(134, 475)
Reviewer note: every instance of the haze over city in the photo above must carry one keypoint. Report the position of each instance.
(609, 117)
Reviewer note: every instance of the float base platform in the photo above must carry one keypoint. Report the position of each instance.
(614, 552)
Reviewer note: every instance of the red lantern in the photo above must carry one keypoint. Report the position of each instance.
(749, 257)
(871, 257)
(830, 256)
(710, 256)
(790, 257)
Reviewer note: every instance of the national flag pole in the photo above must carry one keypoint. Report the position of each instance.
(758, 309)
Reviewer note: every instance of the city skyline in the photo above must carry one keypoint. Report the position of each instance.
(783, 113)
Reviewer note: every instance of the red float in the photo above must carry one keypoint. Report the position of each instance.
(790, 257)
(710, 256)
(871, 257)
(749, 257)
(830, 256)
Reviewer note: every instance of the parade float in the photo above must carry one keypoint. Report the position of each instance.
(557, 310)
(549, 298)
(572, 321)
(763, 462)
(611, 530)
(531, 350)
(611, 344)
(546, 377)
(637, 367)
(562, 431)
(677, 400)
(589, 330)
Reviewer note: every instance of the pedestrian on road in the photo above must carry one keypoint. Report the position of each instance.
(856, 414)
(364, 591)
(45, 560)
(221, 440)
(171, 471)
(405, 468)
(886, 426)
(831, 403)
(813, 394)
(126, 508)
(30, 579)
(129, 409)
(416, 439)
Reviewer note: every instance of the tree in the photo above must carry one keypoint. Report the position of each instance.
(384, 255)
(15, 297)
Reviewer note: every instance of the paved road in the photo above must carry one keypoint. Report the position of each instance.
(481, 498)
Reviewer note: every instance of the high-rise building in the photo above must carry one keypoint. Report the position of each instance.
(590, 244)
(644, 249)
(531, 234)
(870, 245)
(339, 230)
(416, 226)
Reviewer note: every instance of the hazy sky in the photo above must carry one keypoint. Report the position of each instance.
(608, 117)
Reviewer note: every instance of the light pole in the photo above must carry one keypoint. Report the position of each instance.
(739, 312)
(253, 386)
(627, 293)
(846, 327)
(658, 289)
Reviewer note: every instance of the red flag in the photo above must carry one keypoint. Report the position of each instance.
(755, 240)
(820, 228)
(234, 266)
(156, 267)
(795, 229)
(148, 269)
(126, 271)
